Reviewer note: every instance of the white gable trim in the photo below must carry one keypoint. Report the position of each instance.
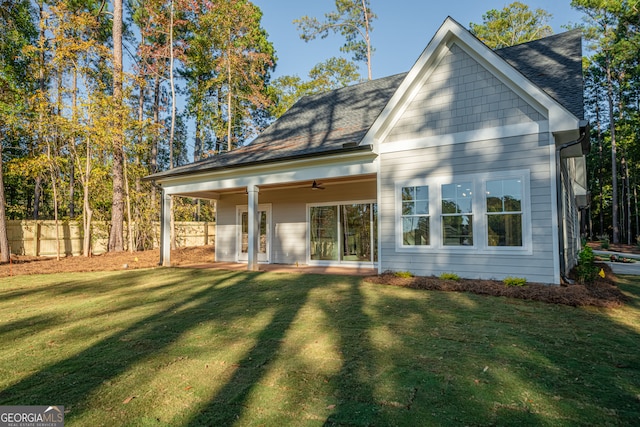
(450, 32)
(464, 137)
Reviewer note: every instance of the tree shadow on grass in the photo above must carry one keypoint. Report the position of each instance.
(393, 356)
(355, 403)
(71, 382)
(468, 359)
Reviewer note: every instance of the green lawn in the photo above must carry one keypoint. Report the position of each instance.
(182, 347)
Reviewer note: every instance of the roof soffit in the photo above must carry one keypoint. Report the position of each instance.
(451, 32)
(260, 170)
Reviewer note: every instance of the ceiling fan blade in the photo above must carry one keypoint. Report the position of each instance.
(316, 186)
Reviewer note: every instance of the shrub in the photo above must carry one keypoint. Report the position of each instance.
(449, 276)
(586, 271)
(404, 274)
(514, 281)
(604, 241)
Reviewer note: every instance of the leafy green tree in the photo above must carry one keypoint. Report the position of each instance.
(352, 19)
(611, 28)
(18, 31)
(229, 67)
(512, 25)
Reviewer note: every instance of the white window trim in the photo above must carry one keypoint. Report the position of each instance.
(338, 262)
(429, 215)
(479, 213)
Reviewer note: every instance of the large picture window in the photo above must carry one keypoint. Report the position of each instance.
(415, 216)
(488, 212)
(504, 212)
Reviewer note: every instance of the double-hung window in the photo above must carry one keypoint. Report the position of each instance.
(457, 214)
(415, 216)
(504, 212)
(484, 212)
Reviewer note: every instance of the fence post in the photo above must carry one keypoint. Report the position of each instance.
(206, 233)
(36, 239)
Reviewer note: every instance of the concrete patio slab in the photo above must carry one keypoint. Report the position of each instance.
(288, 268)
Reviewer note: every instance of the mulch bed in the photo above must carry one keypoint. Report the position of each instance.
(602, 293)
(21, 265)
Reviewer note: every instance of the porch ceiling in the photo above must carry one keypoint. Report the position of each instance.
(214, 194)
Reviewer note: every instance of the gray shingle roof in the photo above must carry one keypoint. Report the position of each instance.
(554, 64)
(338, 120)
(317, 124)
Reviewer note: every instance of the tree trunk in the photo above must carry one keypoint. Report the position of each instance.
(54, 188)
(600, 165)
(153, 161)
(116, 234)
(128, 199)
(229, 97)
(614, 166)
(5, 255)
(628, 200)
(74, 115)
(87, 212)
(197, 149)
(138, 185)
(367, 38)
(637, 220)
(42, 87)
(173, 89)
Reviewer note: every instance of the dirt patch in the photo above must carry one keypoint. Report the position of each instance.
(21, 265)
(616, 247)
(602, 293)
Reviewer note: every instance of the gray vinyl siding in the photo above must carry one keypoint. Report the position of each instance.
(460, 96)
(571, 225)
(527, 152)
(288, 228)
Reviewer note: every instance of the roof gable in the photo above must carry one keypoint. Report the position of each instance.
(450, 33)
(459, 96)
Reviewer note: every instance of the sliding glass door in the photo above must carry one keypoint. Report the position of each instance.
(343, 233)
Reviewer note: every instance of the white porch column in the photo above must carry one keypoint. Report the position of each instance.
(165, 231)
(254, 227)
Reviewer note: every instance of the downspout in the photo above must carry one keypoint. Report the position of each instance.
(584, 135)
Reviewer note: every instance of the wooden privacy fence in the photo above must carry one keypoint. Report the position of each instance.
(38, 238)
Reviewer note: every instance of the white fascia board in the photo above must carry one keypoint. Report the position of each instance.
(403, 95)
(349, 164)
(560, 119)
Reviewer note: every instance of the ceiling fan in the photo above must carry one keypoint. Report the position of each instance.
(316, 186)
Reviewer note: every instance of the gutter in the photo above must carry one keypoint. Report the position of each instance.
(346, 148)
(583, 140)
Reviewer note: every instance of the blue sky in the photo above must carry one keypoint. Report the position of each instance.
(400, 33)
